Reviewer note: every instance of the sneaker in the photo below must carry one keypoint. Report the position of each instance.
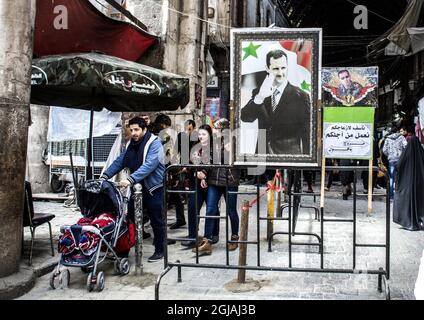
(205, 248)
(327, 189)
(233, 246)
(156, 257)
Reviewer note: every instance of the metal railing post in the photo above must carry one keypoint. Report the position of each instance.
(138, 216)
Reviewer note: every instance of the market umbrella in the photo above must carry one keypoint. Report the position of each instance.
(93, 81)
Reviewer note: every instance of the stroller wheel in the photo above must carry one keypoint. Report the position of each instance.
(64, 278)
(124, 266)
(100, 281)
(90, 283)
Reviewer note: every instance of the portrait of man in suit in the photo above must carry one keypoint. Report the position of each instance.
(281, 109)
(275, 82)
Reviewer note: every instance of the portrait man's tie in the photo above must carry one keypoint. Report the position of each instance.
(274, 99)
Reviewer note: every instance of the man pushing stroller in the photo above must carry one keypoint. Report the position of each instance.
(144, 157)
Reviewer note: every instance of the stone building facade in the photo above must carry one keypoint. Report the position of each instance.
(229, 14)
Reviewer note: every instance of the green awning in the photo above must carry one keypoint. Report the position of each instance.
(93, 80)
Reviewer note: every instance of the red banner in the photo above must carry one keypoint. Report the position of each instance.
(76, 26)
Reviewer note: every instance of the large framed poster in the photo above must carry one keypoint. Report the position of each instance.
(275, 87)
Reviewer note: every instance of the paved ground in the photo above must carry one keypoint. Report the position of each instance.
(205, 283)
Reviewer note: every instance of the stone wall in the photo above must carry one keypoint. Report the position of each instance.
(37, 170)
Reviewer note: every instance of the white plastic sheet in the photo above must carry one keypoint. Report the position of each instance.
(74, 124)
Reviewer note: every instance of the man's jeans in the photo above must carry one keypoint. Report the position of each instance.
(393, 173)
(214, 194)
(154, 206)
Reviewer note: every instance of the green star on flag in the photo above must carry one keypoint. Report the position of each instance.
(251, 51)
(305, 86)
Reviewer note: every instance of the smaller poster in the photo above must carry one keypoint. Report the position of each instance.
(350, 86)
(348, 132)
(213, 108)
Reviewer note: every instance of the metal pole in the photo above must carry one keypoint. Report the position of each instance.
(89, 151)
(279, 188)
(244, 227)
(138, 216)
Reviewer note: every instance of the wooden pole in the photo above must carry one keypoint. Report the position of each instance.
(322, 198)
(244, 227)
(270, 212)
(232, 145)
(370, 171)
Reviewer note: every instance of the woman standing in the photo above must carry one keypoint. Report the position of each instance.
(219, 181)
(201, 153)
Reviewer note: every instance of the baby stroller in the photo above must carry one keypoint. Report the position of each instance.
(103, 232)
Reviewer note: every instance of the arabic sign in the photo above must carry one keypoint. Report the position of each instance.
(213, 82)
(348, 132)
(350, 86)
(38, 76)
(123, 78)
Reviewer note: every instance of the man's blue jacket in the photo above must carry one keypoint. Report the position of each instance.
(151, 171)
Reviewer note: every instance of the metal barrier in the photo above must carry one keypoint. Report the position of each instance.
(293, 207)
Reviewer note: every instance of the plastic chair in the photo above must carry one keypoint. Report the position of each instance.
(34, 220)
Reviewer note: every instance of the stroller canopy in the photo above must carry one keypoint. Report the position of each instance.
(99, 196)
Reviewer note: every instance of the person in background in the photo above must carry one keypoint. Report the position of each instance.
(406, 133)
(393, 147)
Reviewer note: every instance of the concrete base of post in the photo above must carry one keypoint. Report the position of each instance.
(249, 285)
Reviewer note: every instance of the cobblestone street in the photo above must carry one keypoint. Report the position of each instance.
(207, 283)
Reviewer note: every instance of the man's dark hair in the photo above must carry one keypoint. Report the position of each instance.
(394, 129)
(343, 71)
(276, 54)
(188, 122)
(163, 119)
(137, 120)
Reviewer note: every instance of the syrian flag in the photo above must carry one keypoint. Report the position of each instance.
(299, 54)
